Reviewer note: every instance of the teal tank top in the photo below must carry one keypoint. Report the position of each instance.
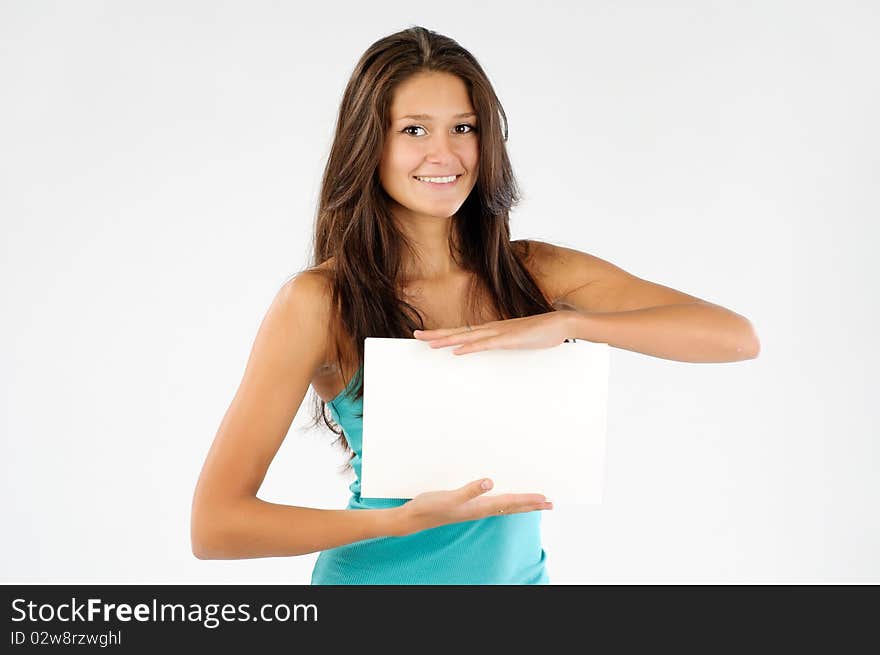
(504, 549)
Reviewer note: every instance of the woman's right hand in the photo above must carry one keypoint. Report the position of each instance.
(467, 503)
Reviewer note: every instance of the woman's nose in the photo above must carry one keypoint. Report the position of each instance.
(440, 147)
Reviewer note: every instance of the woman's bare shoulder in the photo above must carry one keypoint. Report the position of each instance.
(314, 282)
(533, 252)
(317, 283)
(322, 270)
(306, 299)
(539, 257)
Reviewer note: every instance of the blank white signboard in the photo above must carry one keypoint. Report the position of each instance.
(534, 421)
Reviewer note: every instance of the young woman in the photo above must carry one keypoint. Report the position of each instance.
(412, 241)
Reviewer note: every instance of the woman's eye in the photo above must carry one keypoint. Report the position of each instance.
(419, 127)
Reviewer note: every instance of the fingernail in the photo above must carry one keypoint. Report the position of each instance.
(487, 484)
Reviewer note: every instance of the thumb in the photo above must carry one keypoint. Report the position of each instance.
(477, 487)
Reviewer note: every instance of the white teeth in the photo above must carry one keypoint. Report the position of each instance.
(441, 180)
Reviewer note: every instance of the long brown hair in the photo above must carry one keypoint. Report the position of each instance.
(354, 223)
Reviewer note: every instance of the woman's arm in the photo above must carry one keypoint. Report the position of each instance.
(691, 332)
(598, 301)
(253, 528)
(228, 521)
(610, 305)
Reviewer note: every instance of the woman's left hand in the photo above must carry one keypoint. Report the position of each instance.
(538, 331)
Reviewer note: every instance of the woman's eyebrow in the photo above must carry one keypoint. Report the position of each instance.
(426, 117)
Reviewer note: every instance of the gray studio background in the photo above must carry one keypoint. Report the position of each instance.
(159, 171)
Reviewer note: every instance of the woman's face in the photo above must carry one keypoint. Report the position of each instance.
(441, 142)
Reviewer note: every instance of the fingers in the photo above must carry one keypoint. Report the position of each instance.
(457, 338)
(443, 332)
(505, 503)
(515, 503)
(475, 488)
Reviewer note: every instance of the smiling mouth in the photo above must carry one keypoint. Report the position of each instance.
(440, 185)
